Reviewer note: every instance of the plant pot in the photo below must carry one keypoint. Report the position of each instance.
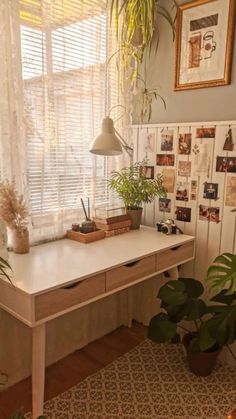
(200, 363)
(20, 242)
(135, 216)
(137, 38)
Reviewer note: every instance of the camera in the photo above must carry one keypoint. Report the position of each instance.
(167, 227)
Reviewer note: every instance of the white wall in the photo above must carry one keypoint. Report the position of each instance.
(208, 104)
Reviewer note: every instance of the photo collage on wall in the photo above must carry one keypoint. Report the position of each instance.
(184, 157)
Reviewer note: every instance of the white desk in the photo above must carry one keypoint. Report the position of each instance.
(59, 277)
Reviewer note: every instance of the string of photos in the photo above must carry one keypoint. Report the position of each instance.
(198, 164)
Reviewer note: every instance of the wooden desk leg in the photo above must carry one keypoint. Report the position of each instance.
(130, 306)
(38, 369)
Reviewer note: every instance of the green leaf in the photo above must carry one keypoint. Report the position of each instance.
(161, 329)
(4, 267)
(224, 298)
(173, 293)
(222, 273)
(194, 345)
(193, 287)
(222, 326)
(205, 340)
(194, 309)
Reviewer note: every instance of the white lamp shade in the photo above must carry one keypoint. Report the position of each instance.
(107, 143)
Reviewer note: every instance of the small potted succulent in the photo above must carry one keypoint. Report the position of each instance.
(135, 189)
(206, 328)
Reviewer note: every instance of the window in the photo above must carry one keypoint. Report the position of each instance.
(64, 54)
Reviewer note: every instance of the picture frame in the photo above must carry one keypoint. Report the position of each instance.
(204, 44)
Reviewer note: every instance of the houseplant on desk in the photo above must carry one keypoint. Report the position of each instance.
(135, 189)
(213, 324)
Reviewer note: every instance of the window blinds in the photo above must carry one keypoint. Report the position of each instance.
(64, 48)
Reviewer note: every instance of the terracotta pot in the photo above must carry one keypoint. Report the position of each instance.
(135, 216)
(200, 363)
(20, 241)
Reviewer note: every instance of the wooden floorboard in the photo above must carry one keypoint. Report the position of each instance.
(74, 368)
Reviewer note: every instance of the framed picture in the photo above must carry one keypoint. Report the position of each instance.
(205, 33)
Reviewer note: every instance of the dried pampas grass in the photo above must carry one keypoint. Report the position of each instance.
(13, 209)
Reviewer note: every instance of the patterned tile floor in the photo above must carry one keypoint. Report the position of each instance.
(150, 382)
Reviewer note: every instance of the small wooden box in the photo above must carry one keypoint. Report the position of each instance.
(85, 238)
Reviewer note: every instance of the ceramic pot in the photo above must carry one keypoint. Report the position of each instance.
(20, 242)
(200, 363)
(135, 216)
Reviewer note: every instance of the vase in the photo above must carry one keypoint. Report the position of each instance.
(20, 241)
(3, 240)
(135, 216)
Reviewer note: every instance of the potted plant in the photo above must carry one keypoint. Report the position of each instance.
(212, 326)
(134, 189)
(136, 27)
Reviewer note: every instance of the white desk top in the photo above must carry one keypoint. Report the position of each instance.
(61, 262)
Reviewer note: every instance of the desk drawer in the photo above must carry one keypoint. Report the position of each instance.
(61, 299)
(174, 256)
(128, 273)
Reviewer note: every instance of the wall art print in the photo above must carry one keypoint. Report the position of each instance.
(205, 31)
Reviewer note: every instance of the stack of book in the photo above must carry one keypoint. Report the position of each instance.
(113, 225)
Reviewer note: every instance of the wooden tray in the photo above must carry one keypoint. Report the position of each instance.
(85, 238)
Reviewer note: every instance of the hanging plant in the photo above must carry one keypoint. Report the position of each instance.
(143, 101)
(136, 27)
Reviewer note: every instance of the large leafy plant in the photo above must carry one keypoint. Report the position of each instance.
(211, 325)
(133, 188)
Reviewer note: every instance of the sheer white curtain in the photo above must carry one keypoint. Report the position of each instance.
(56, 87)
(12, 132)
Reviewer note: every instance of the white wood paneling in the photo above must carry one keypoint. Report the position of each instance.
(211, 238)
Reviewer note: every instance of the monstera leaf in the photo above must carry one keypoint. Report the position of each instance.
(161, 329)
(180, 299)
(222, 274)
(222, 326)
(173, 293)
(225, 298)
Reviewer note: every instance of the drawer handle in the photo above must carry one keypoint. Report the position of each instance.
(129, 265)
(74, 285)
(175, 248)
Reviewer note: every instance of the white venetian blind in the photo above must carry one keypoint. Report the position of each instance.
(64, 47)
